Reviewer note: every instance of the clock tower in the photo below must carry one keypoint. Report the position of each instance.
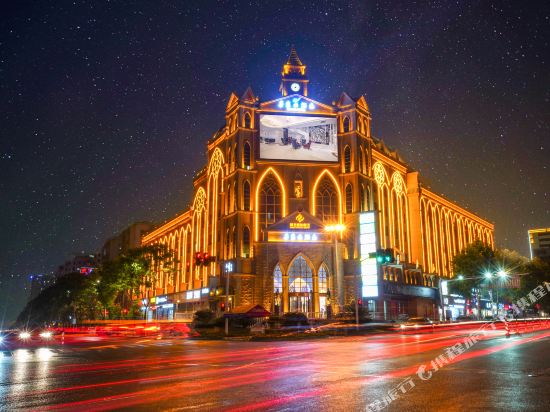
(294, 79)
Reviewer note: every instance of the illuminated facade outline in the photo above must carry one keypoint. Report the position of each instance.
(424, 229)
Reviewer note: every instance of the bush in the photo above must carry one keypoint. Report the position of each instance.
(203, 317)
(295, 319)
(349, 314)
(218, 322)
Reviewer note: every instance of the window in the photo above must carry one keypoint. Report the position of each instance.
(346, 124)
(234, 198)
(347, 159)
(246, 195)
(277, 279)
(226, 244)
(326, 201)
(323, 279)
(300, 276)
(349, 198)
(247, 121)
(298, 189)
(234, 242)
(246, 242)
(270, 202)
(228, 199)
(246, 155)
(298, 186)
(363, 199)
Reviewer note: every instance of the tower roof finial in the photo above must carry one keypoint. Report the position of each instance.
(293, 59)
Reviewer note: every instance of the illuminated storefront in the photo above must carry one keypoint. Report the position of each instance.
(279, 174)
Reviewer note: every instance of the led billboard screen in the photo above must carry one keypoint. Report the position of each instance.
(367, 246)
(298, 138)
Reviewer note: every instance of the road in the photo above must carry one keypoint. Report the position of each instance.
(333, 374)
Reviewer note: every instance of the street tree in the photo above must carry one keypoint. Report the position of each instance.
(137, 269)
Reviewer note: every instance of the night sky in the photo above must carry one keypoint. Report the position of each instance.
(106, 106)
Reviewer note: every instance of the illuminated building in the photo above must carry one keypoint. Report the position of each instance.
(84, 263)
(278, 173)
(539, 244)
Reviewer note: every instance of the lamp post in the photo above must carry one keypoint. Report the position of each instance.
(501, 274)
(228, 269)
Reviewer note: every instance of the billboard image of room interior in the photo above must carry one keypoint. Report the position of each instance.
(295, 137)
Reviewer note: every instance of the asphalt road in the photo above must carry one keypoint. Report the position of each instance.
(334, 374)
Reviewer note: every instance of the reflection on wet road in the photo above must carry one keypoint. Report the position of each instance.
(344, 373)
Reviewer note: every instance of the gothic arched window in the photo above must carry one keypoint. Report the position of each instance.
(247, 121)
(346, 124)
(347, 159)
(246, 155)
(349, 198)
(270, 202)
(323, 279)
(277, 279)
(326, 201)
(300, 278)
(234, 255)
(246, 242)
(246, 195)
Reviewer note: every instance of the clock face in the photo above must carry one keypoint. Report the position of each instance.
(294, 87)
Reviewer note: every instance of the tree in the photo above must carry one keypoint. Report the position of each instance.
(123, 278)
(538, 275)
(73, 296)
(471, 262)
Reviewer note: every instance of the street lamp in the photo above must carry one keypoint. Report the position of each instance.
(228, 269)
(502, 275)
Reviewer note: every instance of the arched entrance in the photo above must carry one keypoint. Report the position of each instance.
(300, 286)
(300, 289)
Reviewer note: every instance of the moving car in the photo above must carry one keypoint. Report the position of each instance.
(14, 338)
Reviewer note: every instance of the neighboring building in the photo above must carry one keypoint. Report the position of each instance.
(278, 175)
(82, 263)
(129, 238)
(539, 243)
(39, 283)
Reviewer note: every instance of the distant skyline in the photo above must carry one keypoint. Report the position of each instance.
(107, 107)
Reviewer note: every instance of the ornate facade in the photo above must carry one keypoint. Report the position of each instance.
(267, 215)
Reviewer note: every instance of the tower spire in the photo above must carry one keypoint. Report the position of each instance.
(294, 79)
(294, 59)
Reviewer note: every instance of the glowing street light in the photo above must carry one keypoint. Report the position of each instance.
(502, 274)
(335, 228)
